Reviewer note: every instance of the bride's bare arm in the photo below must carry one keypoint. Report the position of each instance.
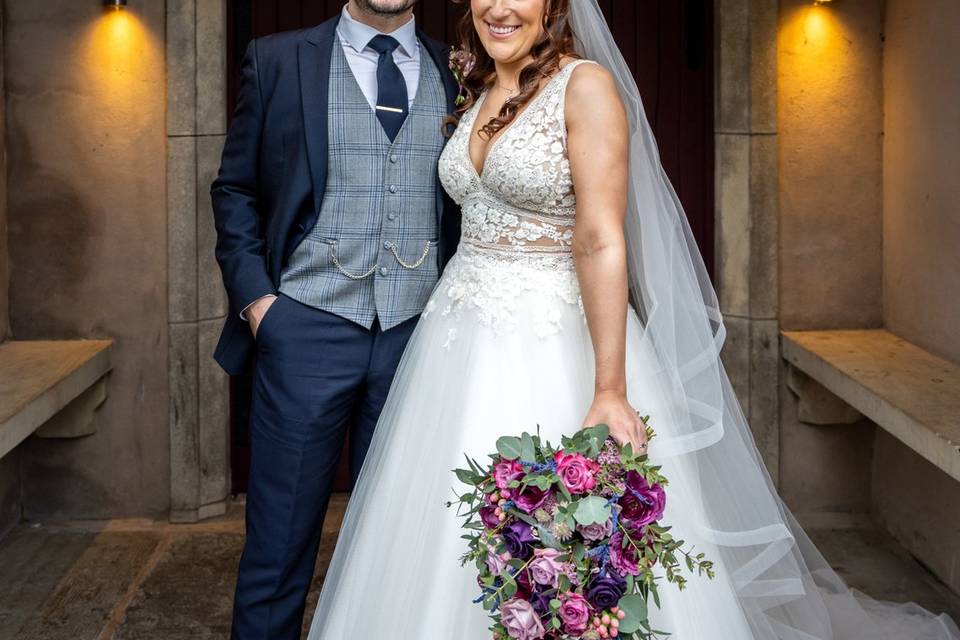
(597, 142)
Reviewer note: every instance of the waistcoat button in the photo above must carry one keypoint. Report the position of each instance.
(383, 271)
(393, 188)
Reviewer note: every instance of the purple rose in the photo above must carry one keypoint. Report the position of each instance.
(517, 538)
(545, 568)
(605, 591)
(488, 515)
(530, 499)
(626, 561)
(596, 531)
(575, 614)
(521, 621)
(540, 602)
(642, 503)
(496, 563)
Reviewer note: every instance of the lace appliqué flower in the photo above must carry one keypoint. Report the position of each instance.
(491, 283)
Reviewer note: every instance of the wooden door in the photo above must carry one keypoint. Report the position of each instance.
(668, 44)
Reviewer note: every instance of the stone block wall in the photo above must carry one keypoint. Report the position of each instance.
(86, 148)
(921, 285)
(830, 110)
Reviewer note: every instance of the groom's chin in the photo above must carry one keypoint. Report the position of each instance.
(386, 7)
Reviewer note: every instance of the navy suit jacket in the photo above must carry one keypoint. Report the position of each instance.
(273, 173)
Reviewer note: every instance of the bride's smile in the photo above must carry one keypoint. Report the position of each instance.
(508, 29)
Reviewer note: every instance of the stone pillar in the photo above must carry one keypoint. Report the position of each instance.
(747, 209)
(199, 390)
(9, 465)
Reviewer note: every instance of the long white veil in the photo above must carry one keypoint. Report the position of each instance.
(783, 584)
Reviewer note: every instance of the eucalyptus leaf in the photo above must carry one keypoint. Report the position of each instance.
(528, 450)
(592, 510)
(635, 608)
(509, 447)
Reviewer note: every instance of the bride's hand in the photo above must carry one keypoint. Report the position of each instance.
(612, 409)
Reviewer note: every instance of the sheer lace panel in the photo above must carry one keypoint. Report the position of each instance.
(523, 198)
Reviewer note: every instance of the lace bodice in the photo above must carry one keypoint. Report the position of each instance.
(523, 198)
(518, 216)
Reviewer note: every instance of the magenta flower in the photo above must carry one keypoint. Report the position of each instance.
(575, 614)
(576, 472)
(642, 503)
(489, 517)
(626, 561)
(521, 621)
(505, 472)
(530, 499)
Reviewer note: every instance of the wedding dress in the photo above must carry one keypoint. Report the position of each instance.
(503, 347)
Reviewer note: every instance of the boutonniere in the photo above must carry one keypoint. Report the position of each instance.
(461, 64)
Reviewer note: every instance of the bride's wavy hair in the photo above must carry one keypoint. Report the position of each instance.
(556, 42)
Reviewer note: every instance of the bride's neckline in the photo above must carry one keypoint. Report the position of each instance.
(492, 144)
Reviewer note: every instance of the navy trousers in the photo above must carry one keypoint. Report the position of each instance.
(318, 377)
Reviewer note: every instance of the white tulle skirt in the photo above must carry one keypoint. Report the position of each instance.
(503, 348)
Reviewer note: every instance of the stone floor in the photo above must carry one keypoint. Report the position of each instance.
(139, 580)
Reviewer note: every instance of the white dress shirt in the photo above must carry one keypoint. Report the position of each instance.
(354, 37)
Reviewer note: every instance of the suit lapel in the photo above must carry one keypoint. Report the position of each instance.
(314, 60)
(441, 58)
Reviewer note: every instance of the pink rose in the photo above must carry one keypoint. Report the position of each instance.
(575, 614)
(505, 472)
(545, 568)
(521, 621)
(576, 472)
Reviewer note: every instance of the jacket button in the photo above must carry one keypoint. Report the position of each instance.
(392, 216)
(383, 271)
(393, 158)
(393, 188)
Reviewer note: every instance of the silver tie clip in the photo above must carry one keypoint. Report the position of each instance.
(390, 109)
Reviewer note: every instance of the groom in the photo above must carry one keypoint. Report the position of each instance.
(332, 229)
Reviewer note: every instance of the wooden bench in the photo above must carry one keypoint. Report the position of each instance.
(907, 391)
(50, 388)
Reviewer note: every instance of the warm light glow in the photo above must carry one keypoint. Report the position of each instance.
(118, 54)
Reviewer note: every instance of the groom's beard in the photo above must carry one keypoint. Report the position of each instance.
(385, 7)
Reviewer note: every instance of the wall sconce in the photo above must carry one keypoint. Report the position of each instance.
(115, 4)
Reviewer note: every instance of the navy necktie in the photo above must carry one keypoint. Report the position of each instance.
(392, 100)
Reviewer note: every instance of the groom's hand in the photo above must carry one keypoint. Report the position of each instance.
(256, 311)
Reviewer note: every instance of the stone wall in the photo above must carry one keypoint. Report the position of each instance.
(921, 193)
(830, 111)
(917, 502)
(87, 221)
(746, 203)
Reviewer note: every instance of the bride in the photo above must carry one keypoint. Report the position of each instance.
(576, 297)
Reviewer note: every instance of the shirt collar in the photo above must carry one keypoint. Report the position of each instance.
(358, 35)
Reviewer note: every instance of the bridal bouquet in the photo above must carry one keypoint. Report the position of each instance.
(567, 541)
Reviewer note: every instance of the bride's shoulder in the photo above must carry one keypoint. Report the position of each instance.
(590, 88)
